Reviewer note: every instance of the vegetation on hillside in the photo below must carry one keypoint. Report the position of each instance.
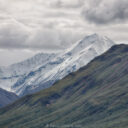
(96, 96)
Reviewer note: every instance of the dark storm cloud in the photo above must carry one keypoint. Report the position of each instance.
(106, 11)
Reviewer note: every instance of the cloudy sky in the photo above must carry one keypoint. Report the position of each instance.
(31, 26)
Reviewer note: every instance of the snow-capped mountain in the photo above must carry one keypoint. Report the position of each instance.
(42, 70)
(6, 97)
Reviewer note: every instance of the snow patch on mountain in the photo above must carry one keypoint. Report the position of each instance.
(43, 70)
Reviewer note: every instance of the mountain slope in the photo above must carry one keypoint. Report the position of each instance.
(7, 97)
(43, 70)
(96, 96)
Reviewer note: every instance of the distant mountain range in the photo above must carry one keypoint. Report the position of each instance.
(95, 96)
(43, 70)
(7, 97)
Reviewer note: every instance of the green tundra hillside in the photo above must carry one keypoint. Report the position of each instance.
(96, 96)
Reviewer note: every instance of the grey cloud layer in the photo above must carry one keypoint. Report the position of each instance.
(39, 24)
(106, 11)
(55, 24)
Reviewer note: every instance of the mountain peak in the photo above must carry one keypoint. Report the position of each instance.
(95, 37)
(95, 41)
(100, 90)
(42, 70)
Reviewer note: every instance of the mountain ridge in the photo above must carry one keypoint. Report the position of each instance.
(7, 97)
(93, 96)
(54, 67)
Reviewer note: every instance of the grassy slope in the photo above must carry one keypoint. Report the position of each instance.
(96, 96)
